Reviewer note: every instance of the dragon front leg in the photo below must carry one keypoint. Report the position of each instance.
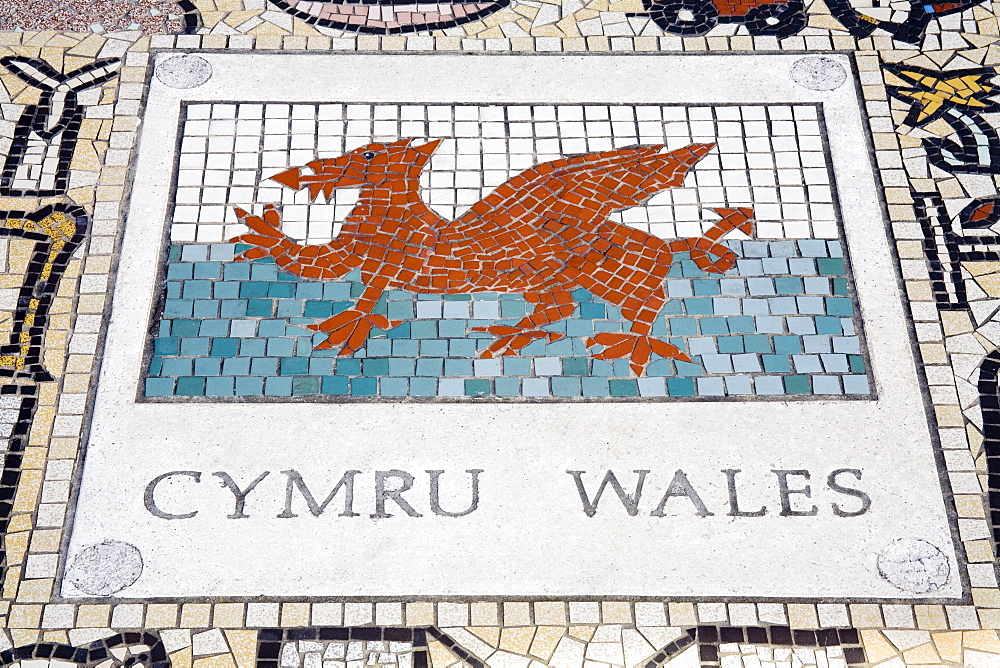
(350, 329)
(324, 262)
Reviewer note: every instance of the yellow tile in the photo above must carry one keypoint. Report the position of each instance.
(22, 637)
(161, 615)
(217, 661)
(930, 617)
(195, 615)
(550, 612)
(968, 505)
(46, 540)
(517, 639)
(488, 634)
(985, 641)
(949, 645)
(440, 656)
(24, 616)
(17, 546)
(420, 614)
(545, 641)
(295, 614)
(56, 636)
(516, 613)
(986, 598)
(990, 283)
(877, 648)
(485, 613)
(616, 612)
(181, 658)
(244, 646)
(682, 614)
(35, 591)
(923, 654)
(228, 615)
(93, 616)
(584, 633)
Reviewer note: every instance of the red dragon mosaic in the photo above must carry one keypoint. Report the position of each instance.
(543, 234)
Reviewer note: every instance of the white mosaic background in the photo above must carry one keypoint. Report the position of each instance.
(770, 157)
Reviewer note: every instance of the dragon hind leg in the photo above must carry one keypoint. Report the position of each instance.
(512, 338)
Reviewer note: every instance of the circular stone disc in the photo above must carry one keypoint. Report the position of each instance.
(184, 71)
(818, 73)
(105, 568)
(914, 565)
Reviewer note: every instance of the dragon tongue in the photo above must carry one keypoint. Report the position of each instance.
(290, 178)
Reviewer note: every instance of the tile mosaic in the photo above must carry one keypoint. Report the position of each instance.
(763, 318)
(946, 163)
(781, 267)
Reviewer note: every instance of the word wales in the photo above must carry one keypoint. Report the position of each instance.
(185, 495)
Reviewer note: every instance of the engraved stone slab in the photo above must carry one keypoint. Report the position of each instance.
(789, 455)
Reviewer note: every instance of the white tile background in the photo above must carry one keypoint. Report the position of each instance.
(769, 157)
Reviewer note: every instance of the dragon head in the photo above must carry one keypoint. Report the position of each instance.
(373, 164)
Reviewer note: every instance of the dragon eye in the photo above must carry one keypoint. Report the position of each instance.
(368, 155)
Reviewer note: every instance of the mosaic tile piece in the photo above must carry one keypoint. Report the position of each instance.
(45, 137)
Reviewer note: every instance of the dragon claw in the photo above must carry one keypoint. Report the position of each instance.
(350, 329)
(512, 339)
(638, 348)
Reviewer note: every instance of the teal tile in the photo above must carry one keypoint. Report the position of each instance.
(347, 366)
(190, 386)
(334, 385)
(838, 306)
(797, 384)
(277, 387)
(507, 387)
(757, 343)
(378, 366)
(831, 266)
(207, 366)
(159, 387)
(166, 345)
(477, 387)
(680, 387)
(220, 386)
(393, 387)
(694, 306)
(423, 387)
(627, 387)
(575, 366)
(731, 345)
(364, 387)
(595, 387)
(565, 387)
(856, 363)
(224, 347)
(260, 308)
(185, 327)
(706, 287)
(787, 344)
(294, 366)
